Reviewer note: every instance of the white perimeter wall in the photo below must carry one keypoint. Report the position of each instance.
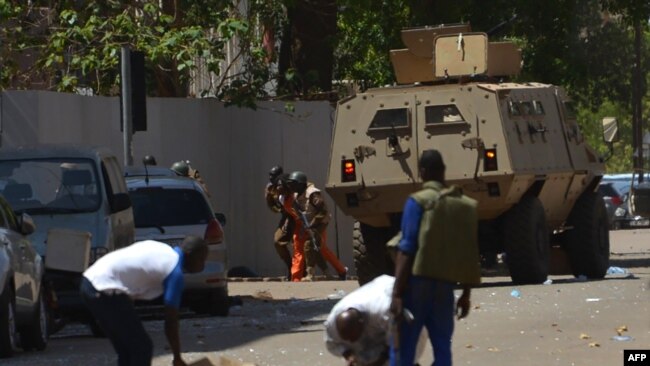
(233, 149)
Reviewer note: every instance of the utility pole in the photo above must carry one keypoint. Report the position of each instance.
(637, 120)
(127, 100)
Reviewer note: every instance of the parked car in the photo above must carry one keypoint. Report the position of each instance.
(622, 181)
(151, 171)
(624, 219)
(23, 313)
(168, 208)
(612, 200)
(76, 188)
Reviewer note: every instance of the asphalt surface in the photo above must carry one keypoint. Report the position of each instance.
(566, 322)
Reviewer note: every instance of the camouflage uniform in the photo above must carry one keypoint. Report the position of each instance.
(312, 204)
(284, 231)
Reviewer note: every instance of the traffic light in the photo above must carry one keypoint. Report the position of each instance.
(138, 92)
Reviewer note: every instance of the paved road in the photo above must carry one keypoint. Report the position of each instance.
(568, 322)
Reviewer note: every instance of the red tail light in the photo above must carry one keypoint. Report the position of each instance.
(213, 233)
(616, 200)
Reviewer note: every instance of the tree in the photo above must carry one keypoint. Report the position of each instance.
(307, 47)
(76, 44)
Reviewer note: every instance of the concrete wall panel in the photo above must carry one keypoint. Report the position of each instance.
(233, 149)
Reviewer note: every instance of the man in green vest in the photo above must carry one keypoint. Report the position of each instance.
(438, 251)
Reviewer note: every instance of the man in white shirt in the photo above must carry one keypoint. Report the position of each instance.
(144, 270)
(357, 327)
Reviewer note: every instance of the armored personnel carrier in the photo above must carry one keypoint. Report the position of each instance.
(514, 147)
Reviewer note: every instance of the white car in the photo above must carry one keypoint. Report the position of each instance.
(168, 208)
(23, 309)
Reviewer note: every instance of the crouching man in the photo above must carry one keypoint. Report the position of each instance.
(144, 270)
(359, 326)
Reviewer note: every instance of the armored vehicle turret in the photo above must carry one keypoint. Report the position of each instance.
(515, 147)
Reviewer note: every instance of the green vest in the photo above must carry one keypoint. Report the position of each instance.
(448, 237)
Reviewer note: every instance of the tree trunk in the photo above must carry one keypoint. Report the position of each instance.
(308, 45)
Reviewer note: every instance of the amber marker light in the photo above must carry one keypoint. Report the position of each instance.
(348, 171)
(490, 160)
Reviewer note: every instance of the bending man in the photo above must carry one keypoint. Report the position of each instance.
(142, 271)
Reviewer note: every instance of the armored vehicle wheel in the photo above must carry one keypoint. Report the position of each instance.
(527, 241)
(587, 244)
(371, 257)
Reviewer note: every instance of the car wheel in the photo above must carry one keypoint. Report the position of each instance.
(220, 303)
(95, 329)
(35, 335)
(216, 303)
(8, 335)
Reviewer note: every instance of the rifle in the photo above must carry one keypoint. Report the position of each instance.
(394, 330)
(305, 225)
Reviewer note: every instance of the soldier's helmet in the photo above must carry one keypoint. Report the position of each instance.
(181, 168)
(149, 160)
(298, 177)
(275, 173)
(297, 181)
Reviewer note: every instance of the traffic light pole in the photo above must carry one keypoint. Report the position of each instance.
(127, 117)
(636, 102)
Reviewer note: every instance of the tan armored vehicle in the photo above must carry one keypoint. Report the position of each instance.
(514, 147)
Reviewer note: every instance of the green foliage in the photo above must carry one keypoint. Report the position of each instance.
(368, 30)
(591, 125)
(82, 45)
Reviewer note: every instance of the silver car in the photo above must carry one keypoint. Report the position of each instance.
(168, 208)
(23, 314)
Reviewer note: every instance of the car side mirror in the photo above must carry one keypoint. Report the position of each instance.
(26, 224)
(610, 130)
(610, 134)
(120, 202)
(221, 218)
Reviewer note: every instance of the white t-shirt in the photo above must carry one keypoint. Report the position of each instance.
(373, 299)
(137, 270)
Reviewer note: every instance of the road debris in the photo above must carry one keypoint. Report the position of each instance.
(263, 295)
(616, 270)
(336, 295)
(622, 338)
(220, 361)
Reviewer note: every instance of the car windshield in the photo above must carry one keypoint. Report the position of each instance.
(157, 206)
(50, 186)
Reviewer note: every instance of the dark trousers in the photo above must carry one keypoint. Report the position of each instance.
(432, 304)
(116, 316)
